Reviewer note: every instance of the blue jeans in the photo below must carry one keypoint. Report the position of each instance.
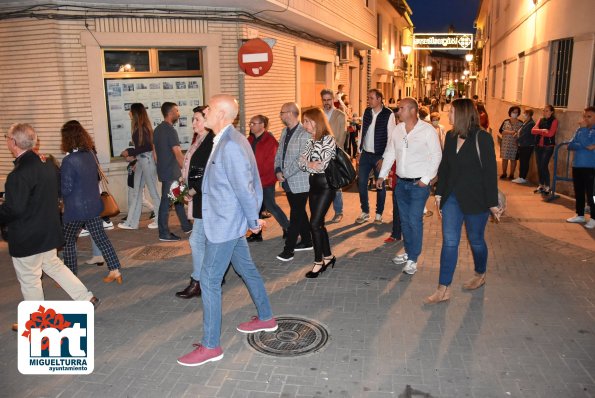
(542, 157)
(367, 163)
(411, 199)
(197, 241)
(216, 261)
(145, 173)
(338, 202)
(163, 217)
(452, 223)
(268, 200)
(94, 249)
(396, 218)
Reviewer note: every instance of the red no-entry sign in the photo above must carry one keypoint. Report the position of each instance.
(255, 57)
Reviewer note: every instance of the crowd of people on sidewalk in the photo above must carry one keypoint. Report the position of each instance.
(232, 180)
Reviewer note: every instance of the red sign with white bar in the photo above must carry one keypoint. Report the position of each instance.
(255, 57)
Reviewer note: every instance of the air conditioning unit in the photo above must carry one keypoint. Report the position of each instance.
(345, 52)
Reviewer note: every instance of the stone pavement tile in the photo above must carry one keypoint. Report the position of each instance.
(200, 390)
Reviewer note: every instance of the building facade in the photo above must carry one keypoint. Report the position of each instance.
(536, 52)
(64, 60)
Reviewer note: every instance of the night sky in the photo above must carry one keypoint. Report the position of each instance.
(434, 16)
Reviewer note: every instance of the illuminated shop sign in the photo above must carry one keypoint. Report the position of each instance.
(443, 41)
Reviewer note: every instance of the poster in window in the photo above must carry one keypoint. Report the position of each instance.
(187, 92)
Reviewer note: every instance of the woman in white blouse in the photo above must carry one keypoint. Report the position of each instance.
(319, 151)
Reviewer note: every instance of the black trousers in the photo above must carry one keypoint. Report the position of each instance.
(524, 154)
(321, 197)
(298, 220)
(582, 178)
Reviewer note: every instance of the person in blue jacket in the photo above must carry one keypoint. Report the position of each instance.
(583, 167)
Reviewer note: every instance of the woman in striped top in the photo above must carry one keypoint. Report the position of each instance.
(319, 151)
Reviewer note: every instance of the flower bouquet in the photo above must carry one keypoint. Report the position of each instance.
(177, 192)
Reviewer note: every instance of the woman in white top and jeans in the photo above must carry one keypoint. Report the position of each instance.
(146, 171)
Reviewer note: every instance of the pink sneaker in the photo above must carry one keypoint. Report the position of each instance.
(201, 355)
(256, 325)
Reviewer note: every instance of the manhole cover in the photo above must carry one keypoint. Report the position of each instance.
(155, 253)
(294, 337)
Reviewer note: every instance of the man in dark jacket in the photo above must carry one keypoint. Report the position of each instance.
(30, 213)
(377, 120)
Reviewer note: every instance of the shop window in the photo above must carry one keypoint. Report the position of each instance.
(151, 77)
(178, 60)
(126, 61)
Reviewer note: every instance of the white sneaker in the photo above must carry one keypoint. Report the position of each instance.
(378, 219)
(576, 219)
(519, 181)
(590, 224)
(108, 225)
(362, 218)
(400, 258)
(84, 232)
(153, 225)
(95, 260)
(123, 225)
(410, 268)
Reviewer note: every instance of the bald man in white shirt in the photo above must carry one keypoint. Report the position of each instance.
(414, 145)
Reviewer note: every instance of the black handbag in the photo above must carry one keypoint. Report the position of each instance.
(340, 171)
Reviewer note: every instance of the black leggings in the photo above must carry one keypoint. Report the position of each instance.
(321, 197)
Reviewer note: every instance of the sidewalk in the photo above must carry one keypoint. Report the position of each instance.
(530, 332)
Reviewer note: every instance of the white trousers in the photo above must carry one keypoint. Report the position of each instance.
(29, 270)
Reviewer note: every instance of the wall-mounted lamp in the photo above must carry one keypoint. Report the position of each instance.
(406, 50)
(466, 72)
(469, 57)
(429, 68)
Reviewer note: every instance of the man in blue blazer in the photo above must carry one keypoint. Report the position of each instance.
(231, 199)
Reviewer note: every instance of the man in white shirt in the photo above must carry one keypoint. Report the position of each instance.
(336, 119)
(415, 147)
(376, 123)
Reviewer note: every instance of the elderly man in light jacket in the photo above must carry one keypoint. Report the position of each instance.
(294, 181)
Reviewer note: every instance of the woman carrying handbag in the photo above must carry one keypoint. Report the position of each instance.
(82, 202)
(319, 151)
(466, 191)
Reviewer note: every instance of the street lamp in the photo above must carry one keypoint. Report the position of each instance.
(406, 50)
(469, 57)
(429, 68)
(466, 72)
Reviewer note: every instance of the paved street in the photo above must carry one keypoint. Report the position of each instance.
(530, 332)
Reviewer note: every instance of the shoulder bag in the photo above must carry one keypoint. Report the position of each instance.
(110, 207)
(340, 171)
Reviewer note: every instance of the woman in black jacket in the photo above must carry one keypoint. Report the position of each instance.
(198, 162)
(467, 190)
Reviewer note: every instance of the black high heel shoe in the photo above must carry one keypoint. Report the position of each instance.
(330, 261)
(314, 274)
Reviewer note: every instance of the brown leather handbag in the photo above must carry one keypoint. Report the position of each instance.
(110, 206)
